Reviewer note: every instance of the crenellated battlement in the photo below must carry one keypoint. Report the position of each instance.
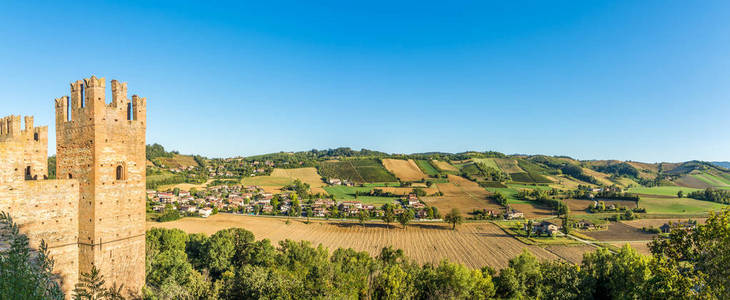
(88, 102)
(12, 128)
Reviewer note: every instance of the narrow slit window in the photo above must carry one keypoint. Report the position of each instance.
(120, 173)
(27, 173)
(68, 109)
(83, 102)
(35, 137)
(130, 115)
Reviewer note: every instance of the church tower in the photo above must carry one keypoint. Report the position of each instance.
(102, 146)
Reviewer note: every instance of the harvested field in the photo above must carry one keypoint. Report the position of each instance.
(444, 166)
(641, 247)
(508, 165)
(601, 177)
(406, 191)
(306, 175)
(473, 244)
(405, 170)
(638, 224)
(620, 232)
(572, 254)
(463, 194)
(581, 205)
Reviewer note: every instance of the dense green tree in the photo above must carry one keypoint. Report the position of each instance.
(25, 273)
(405, 217)
(560, 280)
(454, 218)
(521, 278)
(618, 276)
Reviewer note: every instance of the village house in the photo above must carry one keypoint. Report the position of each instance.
(205, 212)
(543, 227)
(688, 225)
(514, 214)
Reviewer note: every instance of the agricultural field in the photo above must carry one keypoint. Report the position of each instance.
(508, 165)
(473, 244)
(357, 170)
(572, 254)
(661, 190)
(177, 161)
(581, 205)
(487, 161)
(619, 232)
(444, 166)
(427, 167)
(405, 170)
(710, 179)
(602, 178)
(638, 224)
(348, 193)
(674, 205)
(462, 194)
(306, 175)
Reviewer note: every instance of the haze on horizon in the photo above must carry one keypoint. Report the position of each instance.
(630, 80)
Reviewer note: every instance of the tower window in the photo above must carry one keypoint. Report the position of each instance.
(70, 176)
(120, 173)
(68, 109)
(35, 137)
(82, 96)
(27, 173)
(130, 114)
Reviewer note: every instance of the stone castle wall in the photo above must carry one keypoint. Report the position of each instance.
(101, 169)
(44, 209)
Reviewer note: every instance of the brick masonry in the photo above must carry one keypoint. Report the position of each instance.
(94, 214)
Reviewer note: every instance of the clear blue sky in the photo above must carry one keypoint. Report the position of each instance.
(639, 80)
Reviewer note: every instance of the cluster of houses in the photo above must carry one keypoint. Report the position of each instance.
(336, 181)
(253, 200)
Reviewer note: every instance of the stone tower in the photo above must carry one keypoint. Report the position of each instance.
(102, 146)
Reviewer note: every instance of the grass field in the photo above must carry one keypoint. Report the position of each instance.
(661, 190)
(710, 179)
(348, 193)
(673, 205)
(405, 170)
(427, 167)
(306, 175)
(487, 161)
(359, 170)
(473, 244)
(444, 166)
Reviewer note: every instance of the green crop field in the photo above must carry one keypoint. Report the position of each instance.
(520, 177)
(487, 161)
(426, 167)
(661, 190)
(348, 193)
(267, 181)
(510, 192)
(711, 179)
(677, 205)
(361, 170)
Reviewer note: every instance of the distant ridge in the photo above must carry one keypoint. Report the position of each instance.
(724, 164)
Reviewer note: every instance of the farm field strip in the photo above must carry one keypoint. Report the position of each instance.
(405, 170)
(427, 167)
(306, 175)
(474, 245)
(661, 190)
(444, 166)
